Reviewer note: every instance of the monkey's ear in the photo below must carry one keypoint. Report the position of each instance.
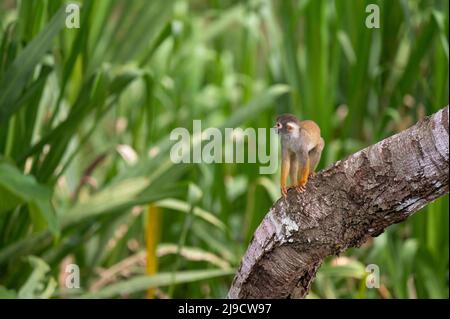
(290, 127)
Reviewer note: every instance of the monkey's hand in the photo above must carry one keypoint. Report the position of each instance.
(312, 174)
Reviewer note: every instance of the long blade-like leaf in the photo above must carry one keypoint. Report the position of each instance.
(18, 74)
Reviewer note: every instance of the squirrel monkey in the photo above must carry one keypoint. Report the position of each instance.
(301, 147)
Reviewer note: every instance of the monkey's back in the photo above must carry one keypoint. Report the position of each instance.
(311, 127)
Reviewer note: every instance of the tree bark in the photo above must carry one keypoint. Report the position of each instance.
(343, 206)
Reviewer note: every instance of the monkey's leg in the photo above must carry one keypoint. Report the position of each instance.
(314, 156)
(293, 170)
(303, 172)
(285, 164)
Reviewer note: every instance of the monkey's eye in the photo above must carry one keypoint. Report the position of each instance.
(289, 127)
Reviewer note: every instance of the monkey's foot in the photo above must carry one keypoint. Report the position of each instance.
(300, 189)
(312, 174)
(284, 191)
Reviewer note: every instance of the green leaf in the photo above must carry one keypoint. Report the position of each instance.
(7, 294)
(257, 105)
(19, 73)
(17, 188)
(347, 47)
(108, 199)
(140, 283)
(37, 285)
(352, 269)
(184, 207)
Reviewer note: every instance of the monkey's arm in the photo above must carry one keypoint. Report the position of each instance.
(293, 170)
(285, 165)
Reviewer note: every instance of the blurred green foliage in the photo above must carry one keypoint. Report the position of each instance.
(85, 118)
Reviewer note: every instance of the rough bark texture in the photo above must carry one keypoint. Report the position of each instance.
(343, 206)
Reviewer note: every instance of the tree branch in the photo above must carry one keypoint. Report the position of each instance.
(343, 206)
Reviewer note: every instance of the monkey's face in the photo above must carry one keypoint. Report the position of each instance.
(286, 125)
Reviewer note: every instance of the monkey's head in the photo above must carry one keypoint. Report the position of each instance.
(286, 124)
